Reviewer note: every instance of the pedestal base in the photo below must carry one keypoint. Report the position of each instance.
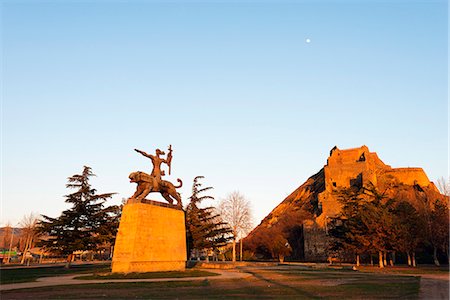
(150, 238)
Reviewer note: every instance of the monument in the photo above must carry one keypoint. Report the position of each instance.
(151, 235)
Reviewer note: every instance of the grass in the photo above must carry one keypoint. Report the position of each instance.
(31, 274)
(408, 270)
(279, 283)
(230, 289)
(369, 287)
(347, 284)
(149, 275)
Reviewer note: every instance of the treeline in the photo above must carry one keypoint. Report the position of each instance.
(90, 225)
(280, 239)
(210, 230)
(372, 223)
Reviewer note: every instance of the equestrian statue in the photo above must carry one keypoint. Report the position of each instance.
(153, 183)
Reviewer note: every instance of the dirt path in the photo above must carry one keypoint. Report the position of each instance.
(69, 280)
(434, 286)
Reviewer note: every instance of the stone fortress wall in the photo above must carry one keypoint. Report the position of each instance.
(355, 167)
(319, 196)
(410, 176)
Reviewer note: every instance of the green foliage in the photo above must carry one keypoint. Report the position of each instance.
(205, 228)
(87, 225)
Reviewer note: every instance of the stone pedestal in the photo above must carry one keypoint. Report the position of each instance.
(151, 237)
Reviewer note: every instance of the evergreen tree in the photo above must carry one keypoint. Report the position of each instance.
(348, 231)
(408, 227)
(107, 231)
(437, 218)
(205, 228)
(83, 226)
(364, 224)
(378, 215)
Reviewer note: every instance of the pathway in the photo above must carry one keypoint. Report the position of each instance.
(434, 286)
(69, 280)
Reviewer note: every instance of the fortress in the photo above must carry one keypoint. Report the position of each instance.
(356, 167)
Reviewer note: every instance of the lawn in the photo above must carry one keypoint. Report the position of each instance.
(270, 283)
(31, 274)
(149, 275)
(442, 270)
(348, 284)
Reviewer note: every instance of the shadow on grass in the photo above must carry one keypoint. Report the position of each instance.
(149, 275)
(267, 284)
(31, 274)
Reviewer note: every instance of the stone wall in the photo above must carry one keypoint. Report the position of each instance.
(150, 238)
(410, 176)
(315, 241)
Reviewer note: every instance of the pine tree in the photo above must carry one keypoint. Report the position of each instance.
(366, 223)
(437, 219)
(408, 226)
(83, 226)
(205, 229)
(348, 231)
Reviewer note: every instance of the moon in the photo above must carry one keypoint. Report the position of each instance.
(308, 40)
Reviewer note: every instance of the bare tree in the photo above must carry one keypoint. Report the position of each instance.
(236, 211)
(444, 186)
(28, 224)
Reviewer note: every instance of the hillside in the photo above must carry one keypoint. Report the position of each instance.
(302, 217)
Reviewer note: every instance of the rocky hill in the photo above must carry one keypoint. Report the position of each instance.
(302, 217)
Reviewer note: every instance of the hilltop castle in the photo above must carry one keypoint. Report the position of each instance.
(356, 167)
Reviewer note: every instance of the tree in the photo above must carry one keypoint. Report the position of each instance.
(28, 224)
(378, 217)
(350, 230)
(8, 240)
(277, 244)
(365, 223)
(235, 210)
(205, 228)
(438, 228)
(80, 227)
(109, 225)
(408, 226)
(444, 186)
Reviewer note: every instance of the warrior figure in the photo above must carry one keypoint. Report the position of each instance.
(157, 161)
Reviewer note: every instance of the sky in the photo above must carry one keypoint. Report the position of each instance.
(250, 94)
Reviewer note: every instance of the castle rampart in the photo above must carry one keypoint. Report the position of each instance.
(409, 176)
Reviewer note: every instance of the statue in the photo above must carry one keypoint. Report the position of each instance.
(153, 183)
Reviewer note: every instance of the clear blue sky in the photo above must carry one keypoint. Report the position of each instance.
(234, 86)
